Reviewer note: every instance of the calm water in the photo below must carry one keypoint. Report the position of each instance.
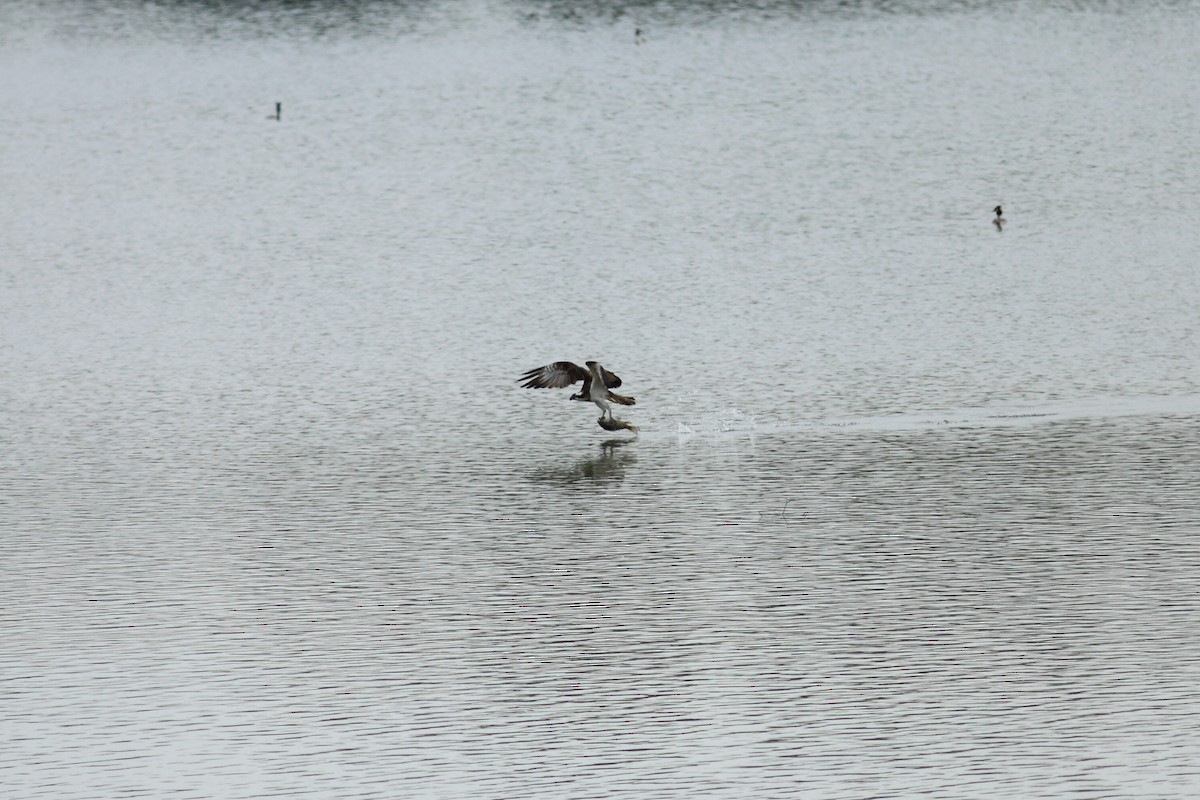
(913, 511)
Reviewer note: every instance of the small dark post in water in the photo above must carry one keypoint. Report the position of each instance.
(279, 111)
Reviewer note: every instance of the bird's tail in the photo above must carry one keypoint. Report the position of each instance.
(622, 399)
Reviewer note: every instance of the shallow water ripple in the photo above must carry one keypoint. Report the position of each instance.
(912, 511)
(940, 613)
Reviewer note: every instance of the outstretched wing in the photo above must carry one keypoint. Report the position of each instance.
(611, 381)
(558, 375)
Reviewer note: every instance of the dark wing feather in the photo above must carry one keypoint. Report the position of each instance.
(558, 375)
(610, 380)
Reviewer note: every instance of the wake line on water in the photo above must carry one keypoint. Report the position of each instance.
(733, 422)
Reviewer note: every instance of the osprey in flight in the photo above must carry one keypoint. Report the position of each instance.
(597, 385)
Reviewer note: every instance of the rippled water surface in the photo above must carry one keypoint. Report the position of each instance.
(913, 507)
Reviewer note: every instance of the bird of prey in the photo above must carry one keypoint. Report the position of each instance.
(598, 384)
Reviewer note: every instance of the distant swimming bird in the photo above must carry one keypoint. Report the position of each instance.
(597, 383)
(637, 36)
(999, 221)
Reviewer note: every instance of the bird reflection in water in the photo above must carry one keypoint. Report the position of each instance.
(610, 465)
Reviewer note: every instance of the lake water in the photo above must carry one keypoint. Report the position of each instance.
(913, 511)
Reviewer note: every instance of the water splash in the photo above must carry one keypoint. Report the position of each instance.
(734, 421)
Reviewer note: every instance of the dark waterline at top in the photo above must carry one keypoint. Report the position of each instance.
(318, 19)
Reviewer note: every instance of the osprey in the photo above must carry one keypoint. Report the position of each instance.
(597, 385)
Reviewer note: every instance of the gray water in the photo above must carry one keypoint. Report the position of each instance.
(913, 507)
